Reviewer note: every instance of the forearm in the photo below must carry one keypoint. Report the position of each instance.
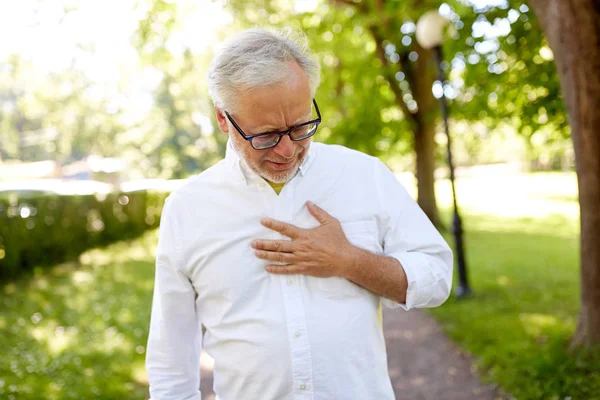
(379, 274)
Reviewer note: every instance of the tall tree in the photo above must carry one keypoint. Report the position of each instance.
(415, 65)
(573, 32)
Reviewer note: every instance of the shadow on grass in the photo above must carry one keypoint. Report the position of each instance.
(79, 332)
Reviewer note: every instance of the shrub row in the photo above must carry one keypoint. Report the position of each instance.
(38, 229)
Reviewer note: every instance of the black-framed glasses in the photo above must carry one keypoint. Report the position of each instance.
(266, 140)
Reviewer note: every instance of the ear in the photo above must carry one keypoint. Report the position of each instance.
(222, 120)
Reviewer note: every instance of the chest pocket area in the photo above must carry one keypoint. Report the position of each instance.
(363, 234)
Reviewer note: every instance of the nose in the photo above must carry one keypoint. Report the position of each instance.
(286, 147)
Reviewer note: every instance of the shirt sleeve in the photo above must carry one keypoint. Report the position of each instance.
(411, 238)
(174, 342)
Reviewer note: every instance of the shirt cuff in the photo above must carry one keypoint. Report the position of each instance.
(423, 281)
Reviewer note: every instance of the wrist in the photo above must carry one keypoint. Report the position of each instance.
(348, 261)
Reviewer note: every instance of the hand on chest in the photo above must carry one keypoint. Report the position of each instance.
(227, 265)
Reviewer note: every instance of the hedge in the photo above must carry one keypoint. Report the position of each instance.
(42, 229)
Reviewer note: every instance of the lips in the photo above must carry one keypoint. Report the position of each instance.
(281, 166)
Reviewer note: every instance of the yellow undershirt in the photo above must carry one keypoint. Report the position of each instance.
(277, 187)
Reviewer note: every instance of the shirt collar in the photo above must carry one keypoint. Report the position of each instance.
(245, 173)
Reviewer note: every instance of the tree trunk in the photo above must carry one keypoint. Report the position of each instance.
(425, 165)
(424, 133)
(422, 122)
(573, 32)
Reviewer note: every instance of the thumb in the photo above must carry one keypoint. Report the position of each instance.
(321, 215)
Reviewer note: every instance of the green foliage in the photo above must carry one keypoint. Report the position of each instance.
(172, 142)
(39, 230)
(151, 109)
(506, 79)
(358, 106)
(511, 77)
(59, 116)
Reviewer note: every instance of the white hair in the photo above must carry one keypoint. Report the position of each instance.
(257, 58)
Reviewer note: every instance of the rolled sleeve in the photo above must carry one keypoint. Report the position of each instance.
(410, 238)
(428, 281)
(174, 342)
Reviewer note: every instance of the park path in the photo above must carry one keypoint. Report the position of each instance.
(423, 363)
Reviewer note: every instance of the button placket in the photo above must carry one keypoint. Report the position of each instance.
(294, 308)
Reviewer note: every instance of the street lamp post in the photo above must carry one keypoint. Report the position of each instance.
(430, 35)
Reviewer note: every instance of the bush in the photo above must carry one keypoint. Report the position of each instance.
(42, 229)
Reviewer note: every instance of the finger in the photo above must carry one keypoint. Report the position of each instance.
(321, 215)
(285, 229)
(273, 245)
(286, 258)
(283, 269)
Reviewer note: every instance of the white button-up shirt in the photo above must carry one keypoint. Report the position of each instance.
(279, 337)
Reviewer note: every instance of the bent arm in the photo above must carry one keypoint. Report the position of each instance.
(422, 273)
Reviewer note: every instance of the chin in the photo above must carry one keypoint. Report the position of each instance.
(279, 176)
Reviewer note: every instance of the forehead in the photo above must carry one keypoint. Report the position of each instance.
(276, 106)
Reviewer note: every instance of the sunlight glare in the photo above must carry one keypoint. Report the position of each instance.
(304, 6)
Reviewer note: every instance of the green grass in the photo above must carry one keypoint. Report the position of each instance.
(525, 275)
(78, 332)
(524, 310)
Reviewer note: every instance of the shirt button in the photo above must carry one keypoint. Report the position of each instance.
(298, 333)
(302, 387)
(290, 282)
(262, 184)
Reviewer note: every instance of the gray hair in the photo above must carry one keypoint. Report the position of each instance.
(257, 58)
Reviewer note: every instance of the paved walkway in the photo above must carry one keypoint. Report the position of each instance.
(423, 363)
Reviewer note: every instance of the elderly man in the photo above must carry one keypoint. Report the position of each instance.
(286, 250)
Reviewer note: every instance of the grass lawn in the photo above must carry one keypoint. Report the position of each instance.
(80, 332)
(522, 247)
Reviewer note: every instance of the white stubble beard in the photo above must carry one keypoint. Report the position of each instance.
(274, 177)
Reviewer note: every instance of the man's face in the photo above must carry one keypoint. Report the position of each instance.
(273, 108)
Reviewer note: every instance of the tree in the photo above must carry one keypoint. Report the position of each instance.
(368, 51)
(153, 113)
(481, 92)
(58, 115)
(177, 136)
(414, 65)
(504, 74)
(573, 33)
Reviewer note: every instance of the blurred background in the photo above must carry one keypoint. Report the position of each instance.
(104, 110)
